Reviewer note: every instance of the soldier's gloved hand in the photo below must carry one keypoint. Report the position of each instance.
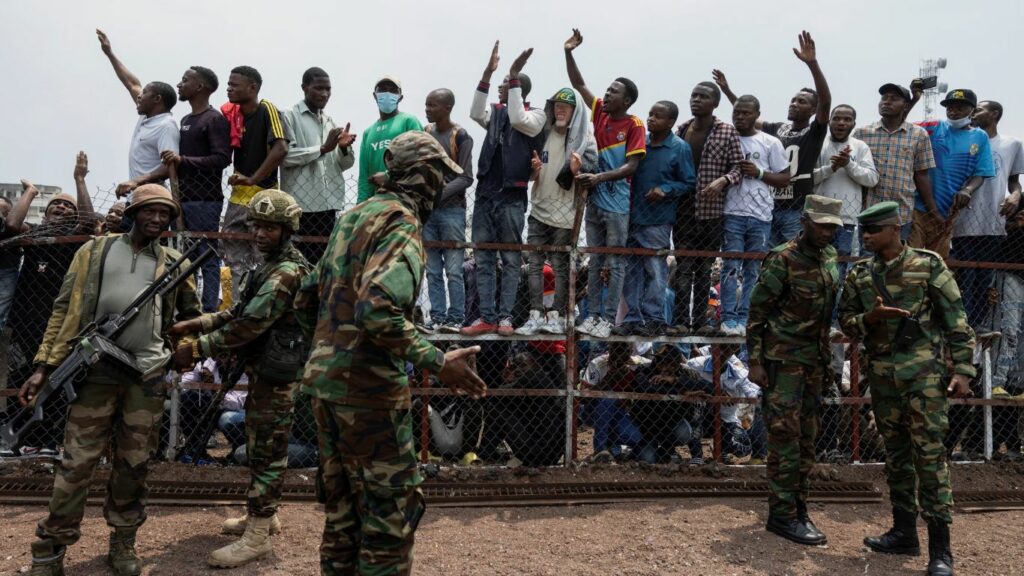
(959, 387)
(182, 358)
(31, 386)
(459, 375)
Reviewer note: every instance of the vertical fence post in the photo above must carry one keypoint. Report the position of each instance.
(987, 409)
(171, 452)
(716, 363)
(424, 420)
(855, 409)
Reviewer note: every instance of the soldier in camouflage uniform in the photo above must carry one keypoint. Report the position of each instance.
(261, 330)
(788, 342)
(358, 305)
(905, 306)
(104, 277)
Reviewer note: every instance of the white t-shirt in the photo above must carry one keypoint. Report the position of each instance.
(983, 219)
(151, 137)
(753, 197)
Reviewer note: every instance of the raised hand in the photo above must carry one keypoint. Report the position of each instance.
(519, 62)
(104, 41)
(574, 41)
(81, 165)
(492, 63)
(807, 53)
(719, 77)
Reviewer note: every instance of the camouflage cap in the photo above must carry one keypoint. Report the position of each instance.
(149, 194)
(823, 210)
(881, 214)
(565, 96)
(412, 147)
(275, 206)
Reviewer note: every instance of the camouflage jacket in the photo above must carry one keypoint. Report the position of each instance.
(920, 283)
(272, 287)
(791, 305)
(75, 306)
(358, 305)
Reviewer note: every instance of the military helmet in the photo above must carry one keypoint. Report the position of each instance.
(275, 206)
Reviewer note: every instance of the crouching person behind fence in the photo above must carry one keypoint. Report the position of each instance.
(261, 329)
(104, 277)
(358, 306)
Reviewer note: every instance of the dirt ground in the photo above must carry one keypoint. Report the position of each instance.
(698, 536)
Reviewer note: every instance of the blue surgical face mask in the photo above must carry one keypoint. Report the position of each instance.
(387, 102)
(961, 123)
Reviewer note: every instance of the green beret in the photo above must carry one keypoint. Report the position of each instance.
(883, 213)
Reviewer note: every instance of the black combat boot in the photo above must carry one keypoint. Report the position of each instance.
(122, 557)
(802, 516)
(795, 530)
(901, 538)
(940, 557)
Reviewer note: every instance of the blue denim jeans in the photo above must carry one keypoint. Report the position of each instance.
(613, 426)
(785, 226)
(446, 225)
(605, 229)
(741, 234)
(204, 216)
(843, 243)
(8, 282)
(646, 276)
(975, 282)
(501, 222)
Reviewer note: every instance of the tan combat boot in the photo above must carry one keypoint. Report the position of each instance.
(47, 558)
(236, 526)
(122, 557)
(254, 543)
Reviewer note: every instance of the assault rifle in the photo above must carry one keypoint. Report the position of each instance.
(97, 344)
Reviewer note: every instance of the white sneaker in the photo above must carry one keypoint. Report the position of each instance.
(733, 328)
(603, 329)
(588, 326)
(532, 325)
(554, 323)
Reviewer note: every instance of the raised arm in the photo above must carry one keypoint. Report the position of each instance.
(529, 122)
(479, 111)
(723, 85)
(808, 54)
(575, 78)
(16, 217)
(130, 81)
(85, 209)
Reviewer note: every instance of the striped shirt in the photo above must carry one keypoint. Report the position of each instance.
(720, 156)
(897, 156)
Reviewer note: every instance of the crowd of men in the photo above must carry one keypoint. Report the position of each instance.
(335, 319)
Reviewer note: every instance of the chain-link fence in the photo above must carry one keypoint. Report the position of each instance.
(601, 339)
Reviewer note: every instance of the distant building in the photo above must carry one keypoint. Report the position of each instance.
(35, 213)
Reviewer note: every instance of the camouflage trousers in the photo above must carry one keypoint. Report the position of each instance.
(126, 412)
(912, 420)
(369, 484)
(268, 423)
(792, 414)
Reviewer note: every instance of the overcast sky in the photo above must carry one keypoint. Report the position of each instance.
(61, 95)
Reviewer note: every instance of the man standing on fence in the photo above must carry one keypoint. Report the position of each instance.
(514, 133)
(106, 275)
(357, 307)
(155, 131)
(447, 223)
(372, 171)
(788, 342)
(621, 145)
(802, 136)
(260, 137)
(318, 155)
(261, 330)
(204, 153)
(905, 306)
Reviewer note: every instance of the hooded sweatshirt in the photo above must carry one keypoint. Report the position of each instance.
(554, 191)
